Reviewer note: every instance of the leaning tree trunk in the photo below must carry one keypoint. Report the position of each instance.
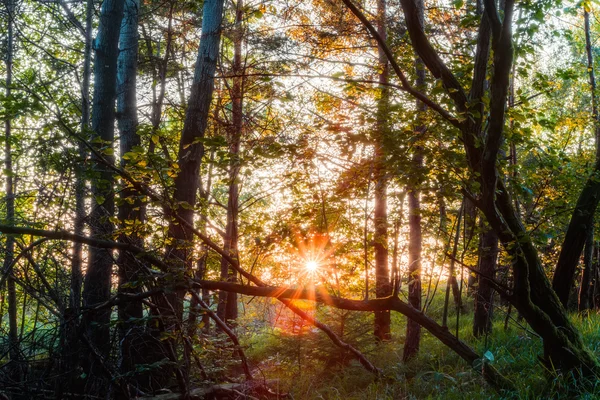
(191, 151)
(383, 288)
(228, 307)
(533, 295)
(415, 240)
(97, 282)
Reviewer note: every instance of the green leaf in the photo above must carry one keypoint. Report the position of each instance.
(488, 356)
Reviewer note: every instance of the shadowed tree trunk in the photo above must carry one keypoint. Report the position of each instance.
(189, 158)
(383, 287)
(228, 307)
(585, 292)
(71, 343)
(415, 240)
(97, 282)
(585, 289)
(484, 294)
(533, 295)
(13, 336)
(131, 209)
(80, 211)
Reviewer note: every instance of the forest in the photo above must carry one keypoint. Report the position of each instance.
(299, 199)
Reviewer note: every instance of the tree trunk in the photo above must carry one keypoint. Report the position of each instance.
(415, 240)
(201, 267)
(228, 307)
(13, 338)
(469, 228)
(97, 282)
(191, 151)
(383, 288)
(484, 294)
(585, 289)
(131, 209)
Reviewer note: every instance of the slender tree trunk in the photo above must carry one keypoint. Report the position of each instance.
(228, 307)
(97, 282)
(484, 295)
(191, 151)
(469, 228)
(582, 219)
(201, 267)
(415, 240)
(396, 278)
(585, 289)
(451, 272)
(131, 209)
(13, 338)
(366, 240)
(80, 212)
(71, 344)
(383, 287)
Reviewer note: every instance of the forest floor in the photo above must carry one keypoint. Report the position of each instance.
(309, 367)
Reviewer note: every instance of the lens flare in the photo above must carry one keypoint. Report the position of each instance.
(312, 266)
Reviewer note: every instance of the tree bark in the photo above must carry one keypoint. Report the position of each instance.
(228, 307)
(585, 288)
(131, 209)
(484, 294)
(97, 282)
(415, 240)
(13, 336)
(191, 151)
(383, 288)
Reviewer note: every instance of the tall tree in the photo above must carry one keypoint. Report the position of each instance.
(484, 294)
(97, 283)
(383, 287)
(415, 240)
(191, 148)
(588, 263)
(131, 209)
(80, 209)
(228, 307)
(13, 335)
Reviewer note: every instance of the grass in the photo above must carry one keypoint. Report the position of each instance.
(307, 367)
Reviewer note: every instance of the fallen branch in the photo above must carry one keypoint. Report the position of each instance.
(143, 254)
(320, 295)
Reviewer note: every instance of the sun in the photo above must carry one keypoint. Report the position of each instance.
(311, 266)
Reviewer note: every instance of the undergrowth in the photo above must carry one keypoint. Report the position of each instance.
(309, 367)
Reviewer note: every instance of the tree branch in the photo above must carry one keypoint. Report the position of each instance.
(406, 86)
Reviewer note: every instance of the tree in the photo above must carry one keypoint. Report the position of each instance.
(228, 307)
(131, 209)
(97, 282)
(383, 287)
(13, 339)
(413, 329)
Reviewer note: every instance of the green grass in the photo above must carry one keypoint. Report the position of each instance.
(307, 368)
